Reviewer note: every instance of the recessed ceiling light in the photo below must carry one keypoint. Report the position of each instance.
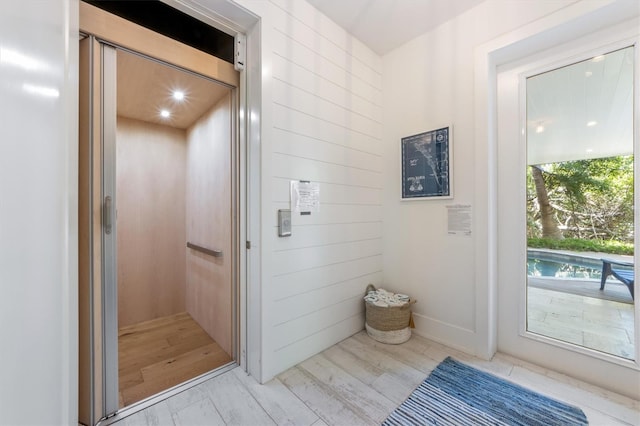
(178, 95)
(165, 113)
(591, 123)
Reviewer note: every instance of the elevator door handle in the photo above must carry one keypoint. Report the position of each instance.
(107, 215)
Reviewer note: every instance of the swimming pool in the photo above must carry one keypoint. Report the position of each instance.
(547, 264)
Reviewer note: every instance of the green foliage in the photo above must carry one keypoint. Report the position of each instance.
(593, 199)
(575, 244)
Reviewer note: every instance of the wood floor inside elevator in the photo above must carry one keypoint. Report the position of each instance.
(156, 355)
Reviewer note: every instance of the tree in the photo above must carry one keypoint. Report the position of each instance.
(586, 199)
(547, 213)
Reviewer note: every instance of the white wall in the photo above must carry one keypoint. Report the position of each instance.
(321, 103)
(38, 212)
(429, 82)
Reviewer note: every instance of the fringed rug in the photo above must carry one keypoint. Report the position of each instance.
(456, 394)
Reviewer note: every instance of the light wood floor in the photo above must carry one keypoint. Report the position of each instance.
(159, 354)
(359, 382)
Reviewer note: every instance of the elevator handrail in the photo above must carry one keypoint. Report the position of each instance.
(210, 252)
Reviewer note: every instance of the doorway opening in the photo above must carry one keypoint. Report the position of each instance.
(159, 209)
(568, 322)
(174, 242)
(580, 197)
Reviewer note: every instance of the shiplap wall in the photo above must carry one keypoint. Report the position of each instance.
(321, 122)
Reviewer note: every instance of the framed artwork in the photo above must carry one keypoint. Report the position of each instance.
(427, 165)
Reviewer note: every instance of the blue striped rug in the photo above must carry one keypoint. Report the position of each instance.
(456, 394)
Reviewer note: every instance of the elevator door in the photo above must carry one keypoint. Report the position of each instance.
(158, 197)
(167, 171)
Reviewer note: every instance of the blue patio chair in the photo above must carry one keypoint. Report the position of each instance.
(624, 275)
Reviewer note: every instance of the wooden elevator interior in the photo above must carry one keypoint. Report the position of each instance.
(173, 185)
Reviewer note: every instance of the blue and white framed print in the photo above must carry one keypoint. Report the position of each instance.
(426, 165)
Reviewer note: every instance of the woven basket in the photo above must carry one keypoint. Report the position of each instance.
(388, 325)
(394, 337)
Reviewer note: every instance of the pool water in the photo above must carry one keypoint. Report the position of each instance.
(544, 264)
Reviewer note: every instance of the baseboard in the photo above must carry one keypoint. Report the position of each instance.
(450, 335)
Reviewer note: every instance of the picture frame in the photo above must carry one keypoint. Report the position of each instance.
(427, 165)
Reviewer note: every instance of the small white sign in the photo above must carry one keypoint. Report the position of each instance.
(305, 196)
(459, 219)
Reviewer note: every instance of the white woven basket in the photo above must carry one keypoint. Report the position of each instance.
(393, 337)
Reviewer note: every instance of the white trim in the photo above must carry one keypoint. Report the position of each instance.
(69, 298)
(252, 77)
(577, 54)
(222, 15)
(627, 363)
(636, 189)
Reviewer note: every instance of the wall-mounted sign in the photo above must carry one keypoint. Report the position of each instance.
(305, 196)
(459, 219)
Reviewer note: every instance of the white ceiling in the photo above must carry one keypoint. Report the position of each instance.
(384, 25)
(581, 111)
